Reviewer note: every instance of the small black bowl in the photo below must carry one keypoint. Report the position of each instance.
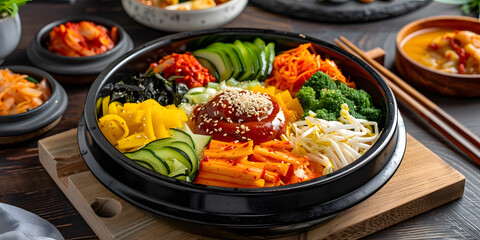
(30, 124)
(40, 56)
(231, 212)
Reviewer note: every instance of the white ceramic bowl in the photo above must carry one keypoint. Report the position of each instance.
(179, 21)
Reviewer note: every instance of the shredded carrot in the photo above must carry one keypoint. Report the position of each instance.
(235, 164)
(17, 94)
(292, 68)
(279, 155)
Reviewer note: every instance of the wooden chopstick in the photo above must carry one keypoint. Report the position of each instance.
(448, 126)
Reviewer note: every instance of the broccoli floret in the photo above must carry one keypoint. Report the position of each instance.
(307, 98)
(372, 114)
(320, 80)
(361, 98)
(324, 114)
(324, 97)
(332, 101)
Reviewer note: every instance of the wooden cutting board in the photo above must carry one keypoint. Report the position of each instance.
(422, 182)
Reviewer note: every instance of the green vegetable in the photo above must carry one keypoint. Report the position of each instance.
(31, 79)
(324, 97)
(10, 7)
(148, 86)
(467, 6)
(176, 156)
(240, 60)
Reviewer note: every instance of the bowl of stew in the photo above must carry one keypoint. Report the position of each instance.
(440, 55)
(259, 163)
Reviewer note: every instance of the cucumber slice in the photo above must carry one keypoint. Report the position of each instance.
(182, 136)
(248, 58)
(145, 164)
(190, 152)
(171, 154)
(230, 51)
(199, 98)
(213, 85)
(261, 58)
(270, 53)
(179, 171)
(209, 65)
(159, 143)
(201, 141)
(219, 59)
(196, 90)
(259, 43)
(232, 82)
(211, 92)
(145, 155)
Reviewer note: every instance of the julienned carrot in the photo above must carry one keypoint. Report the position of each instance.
(271, 176)
(229, 145)
(280, 156)
(280, 168)
(231, 154)
(20, 93)
(236, 171)
(210, 182)
(277, 144)
(293, 67)
(267, 164)
(234, 180)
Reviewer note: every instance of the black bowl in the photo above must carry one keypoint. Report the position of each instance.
(30, 124)
(231, 212)
(40, 56)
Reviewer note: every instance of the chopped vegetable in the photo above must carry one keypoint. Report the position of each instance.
(334, 144)
(186, 67)
(293, 67)
(133, 125)
(290, 106)
(272, 163)
(226, 164)
(84, 38)
(20, 93)
(325, 97)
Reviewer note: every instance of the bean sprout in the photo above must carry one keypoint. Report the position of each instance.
(333, 144)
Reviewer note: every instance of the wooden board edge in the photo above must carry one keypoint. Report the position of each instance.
(398, 214)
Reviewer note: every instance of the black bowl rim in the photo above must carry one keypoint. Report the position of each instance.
(37, 52)
(91, 122)
(37, 118)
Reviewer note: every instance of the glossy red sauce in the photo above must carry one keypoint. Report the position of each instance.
(240, 115)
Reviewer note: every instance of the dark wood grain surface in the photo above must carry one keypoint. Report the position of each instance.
(25, 184)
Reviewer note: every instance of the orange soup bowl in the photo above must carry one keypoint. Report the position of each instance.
(428, 78)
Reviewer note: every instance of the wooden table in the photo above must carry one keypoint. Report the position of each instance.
(24, 182)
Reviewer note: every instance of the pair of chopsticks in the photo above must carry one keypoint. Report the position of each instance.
(448, 126)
